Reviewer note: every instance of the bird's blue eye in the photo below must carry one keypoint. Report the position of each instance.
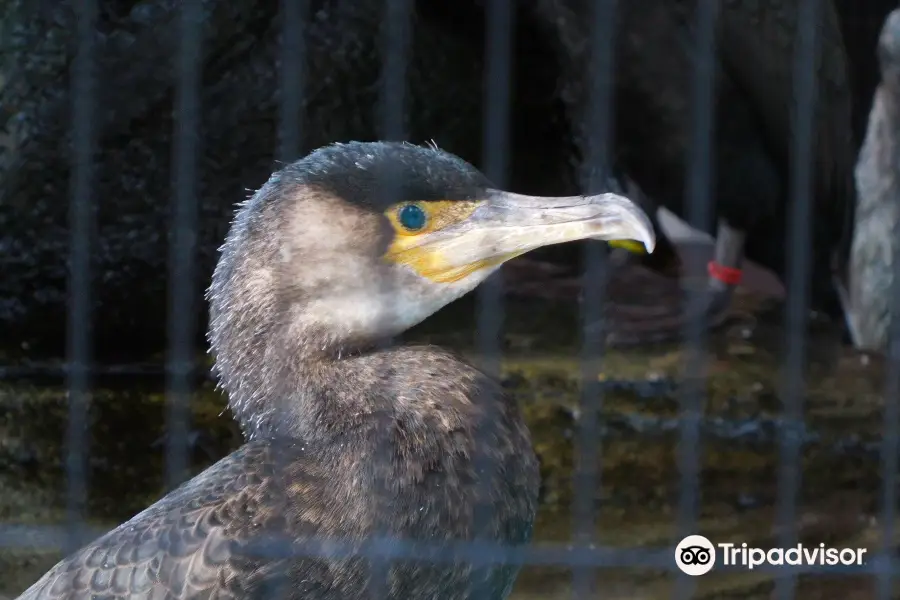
(412, 217)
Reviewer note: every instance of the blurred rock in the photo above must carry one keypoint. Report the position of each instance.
(136, 50)
(877, 230)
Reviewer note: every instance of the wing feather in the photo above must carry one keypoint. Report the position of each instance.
(186, 545)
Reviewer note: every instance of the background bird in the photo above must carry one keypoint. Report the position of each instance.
(753, 134)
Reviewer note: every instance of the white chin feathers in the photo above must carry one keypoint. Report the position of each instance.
(389, 308)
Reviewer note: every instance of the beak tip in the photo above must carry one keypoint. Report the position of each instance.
(637, 222)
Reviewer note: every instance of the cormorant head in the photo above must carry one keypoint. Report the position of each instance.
(357, 242)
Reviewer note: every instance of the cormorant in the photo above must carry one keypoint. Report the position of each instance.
(753, 133)
(347, 435)
(875, 240)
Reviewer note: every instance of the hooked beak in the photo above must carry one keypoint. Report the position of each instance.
(504, 225)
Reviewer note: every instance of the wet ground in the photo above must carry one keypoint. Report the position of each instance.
(635, 496)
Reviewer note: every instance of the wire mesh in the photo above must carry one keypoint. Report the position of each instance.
(584, 556)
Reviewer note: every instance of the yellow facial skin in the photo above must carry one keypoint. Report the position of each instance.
(409, 248)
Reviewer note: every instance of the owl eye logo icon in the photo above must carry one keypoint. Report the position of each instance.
(695, 555)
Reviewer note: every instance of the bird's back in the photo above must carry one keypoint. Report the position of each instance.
(206, 539)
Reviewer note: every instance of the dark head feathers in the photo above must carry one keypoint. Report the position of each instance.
(354, 172)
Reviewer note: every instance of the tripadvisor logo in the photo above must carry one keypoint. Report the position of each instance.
(696, 555)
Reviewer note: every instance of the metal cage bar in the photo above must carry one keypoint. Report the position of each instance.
(545, 554)
(293, 78)
(183, 243)
(798, 274)
(890, 448)
(294, 15)
(692, 397)
(395, 39)
(495, 143)
(500, 18)
(595, 132)
(81, 221)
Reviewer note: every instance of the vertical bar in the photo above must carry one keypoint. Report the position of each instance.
(498, 45)
(292, 83)
(81, 223)
(293, 77)
(395, 40)
(699, 207)
(798, 273)
(495, 144)
(182, 249)
(595, 139)
(891, 437)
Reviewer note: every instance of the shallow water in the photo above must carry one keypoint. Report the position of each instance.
(635, 504)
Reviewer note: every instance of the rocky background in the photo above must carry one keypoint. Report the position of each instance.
(240, 113)
(136, 45)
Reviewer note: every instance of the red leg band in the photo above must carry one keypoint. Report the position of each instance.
(727, 275)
